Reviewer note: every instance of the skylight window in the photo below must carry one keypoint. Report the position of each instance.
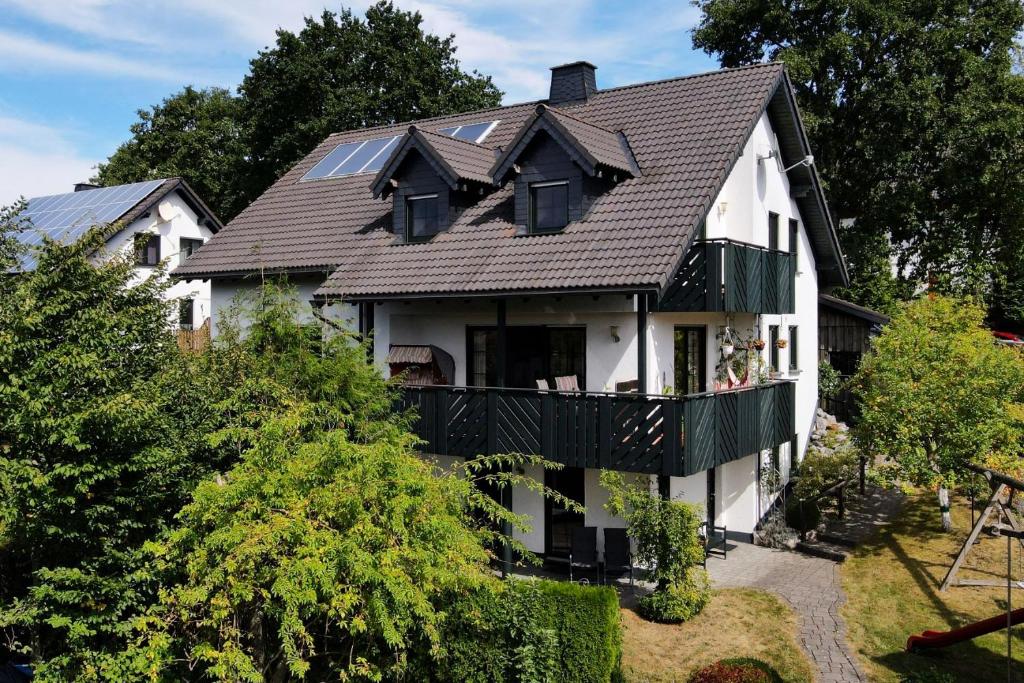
(473, 132)
(350, 158)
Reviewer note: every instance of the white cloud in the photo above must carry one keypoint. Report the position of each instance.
(20, 53)
(37, 160)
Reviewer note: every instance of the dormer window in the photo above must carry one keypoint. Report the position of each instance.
(421, 217)
(549, 206)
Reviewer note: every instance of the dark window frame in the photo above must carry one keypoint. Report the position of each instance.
(773, 230)
(793, 345)
(186, 304)
(531, 190)
(794, 235)
(773, 348)
(431, 199)
(488, 332)
(147, 249)
(190, 245)
(701, 333)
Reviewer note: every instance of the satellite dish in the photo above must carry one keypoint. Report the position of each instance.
(166, 211)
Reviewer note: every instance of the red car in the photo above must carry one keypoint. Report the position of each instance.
(1008, 338)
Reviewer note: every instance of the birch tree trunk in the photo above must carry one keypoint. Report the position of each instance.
(947, 520)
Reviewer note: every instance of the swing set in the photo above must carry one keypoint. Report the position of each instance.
(997, 518)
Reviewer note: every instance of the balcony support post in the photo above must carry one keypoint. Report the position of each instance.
(641, 343)
(506, 492)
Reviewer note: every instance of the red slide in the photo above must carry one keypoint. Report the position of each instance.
(934, 639)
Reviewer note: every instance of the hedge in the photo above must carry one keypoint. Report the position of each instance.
(533, 631)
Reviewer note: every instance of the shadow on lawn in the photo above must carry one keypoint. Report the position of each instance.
(966, 661)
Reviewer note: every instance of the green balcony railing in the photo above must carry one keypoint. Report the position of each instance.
(652, 434)
(733, 277)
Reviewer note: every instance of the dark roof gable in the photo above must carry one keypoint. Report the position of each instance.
(586, 144)
(453, 159)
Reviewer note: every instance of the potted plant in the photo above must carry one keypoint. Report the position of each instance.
(780, 343)
(759, 344)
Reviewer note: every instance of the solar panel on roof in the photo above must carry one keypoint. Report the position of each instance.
(350, 158)
(66, 217)
(473, 132)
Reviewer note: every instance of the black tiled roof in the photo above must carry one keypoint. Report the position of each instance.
(685, 135)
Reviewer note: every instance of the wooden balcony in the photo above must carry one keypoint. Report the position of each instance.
(733, 277)
(652, 434)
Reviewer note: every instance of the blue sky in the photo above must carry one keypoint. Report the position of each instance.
(73, 74)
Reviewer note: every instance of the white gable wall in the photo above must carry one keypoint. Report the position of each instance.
(184, 224)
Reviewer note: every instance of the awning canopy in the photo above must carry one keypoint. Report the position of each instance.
(426, 364)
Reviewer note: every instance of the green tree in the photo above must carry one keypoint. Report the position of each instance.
(936, 392)
(344, 72)
(665, 533)
(914, 114)
(89, 462)
(193, 134)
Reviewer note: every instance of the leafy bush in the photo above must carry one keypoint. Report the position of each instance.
(829, 380)
(811, 514)
(822, 467)
(680, 601)
(741, 670)
(532, 631)
(665, 533)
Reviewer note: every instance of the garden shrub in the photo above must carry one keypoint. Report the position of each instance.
(811, 516)
(822, 467)
(665, 534)
(680, 601)
(534, 631)
(740, 670)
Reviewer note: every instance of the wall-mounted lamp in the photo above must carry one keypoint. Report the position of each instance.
(807, 161)
(722, 208)
(615, 334)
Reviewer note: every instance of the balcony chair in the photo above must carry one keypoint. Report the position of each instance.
(542, 384)
(567, 383)
(618, 558)
(714, 540)
(583, 550)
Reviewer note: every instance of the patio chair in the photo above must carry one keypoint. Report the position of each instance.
(542, 384)
(583, 549)
(567, 383)
(617, 556)
(714, 539)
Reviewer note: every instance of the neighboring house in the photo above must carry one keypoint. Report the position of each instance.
(601, 242)
(845, 331)
(155, 220)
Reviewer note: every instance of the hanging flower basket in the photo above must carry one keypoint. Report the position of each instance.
(759, 344)
(727, 349)
(780, 343)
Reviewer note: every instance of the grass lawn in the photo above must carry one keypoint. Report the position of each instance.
(892, 587)
(736, 623)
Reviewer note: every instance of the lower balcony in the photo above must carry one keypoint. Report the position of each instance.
(651, 434)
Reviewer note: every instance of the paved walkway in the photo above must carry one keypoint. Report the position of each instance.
(811, 586)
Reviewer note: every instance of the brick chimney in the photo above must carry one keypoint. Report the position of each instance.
(574, 82)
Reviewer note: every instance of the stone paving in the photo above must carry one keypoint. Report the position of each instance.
(811, 586)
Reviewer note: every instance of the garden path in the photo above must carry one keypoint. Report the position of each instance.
(811, 586)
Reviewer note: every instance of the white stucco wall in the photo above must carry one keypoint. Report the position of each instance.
(183, 224)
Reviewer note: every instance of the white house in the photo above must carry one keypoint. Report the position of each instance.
(579, 278)
(156, 220)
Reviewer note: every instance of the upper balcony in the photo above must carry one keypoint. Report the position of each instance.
(646, 433)
(733, 277)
